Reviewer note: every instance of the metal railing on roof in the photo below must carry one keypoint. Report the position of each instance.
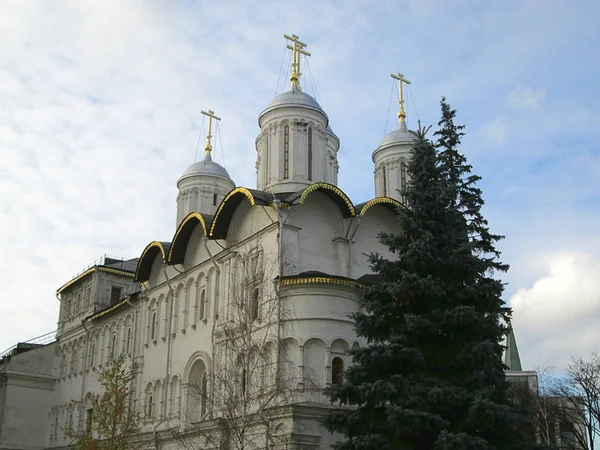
(36, 341)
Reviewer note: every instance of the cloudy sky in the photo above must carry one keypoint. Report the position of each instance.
(100, 114)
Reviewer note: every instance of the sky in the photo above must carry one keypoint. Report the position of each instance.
(100, 114)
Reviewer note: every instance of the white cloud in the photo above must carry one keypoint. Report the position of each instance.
(494, 132)
(558, 316)
(526, 98)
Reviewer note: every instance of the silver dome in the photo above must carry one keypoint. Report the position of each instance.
(293, 97)
(398, 137)
(206, 167)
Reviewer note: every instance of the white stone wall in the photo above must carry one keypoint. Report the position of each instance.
(270, 147)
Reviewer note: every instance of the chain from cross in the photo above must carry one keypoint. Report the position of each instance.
(297, 49)
(401, 111)
(208, 147)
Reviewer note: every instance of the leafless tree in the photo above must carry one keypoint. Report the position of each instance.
(236, 403)
(579, 394)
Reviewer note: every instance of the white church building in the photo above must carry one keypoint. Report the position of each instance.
(242, 317)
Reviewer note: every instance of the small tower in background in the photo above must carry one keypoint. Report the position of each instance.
(204, 184)
(392, 155)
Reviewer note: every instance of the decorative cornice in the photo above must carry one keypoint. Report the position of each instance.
(330, 187)
(377, 201)
(319, 280)
(91, 270)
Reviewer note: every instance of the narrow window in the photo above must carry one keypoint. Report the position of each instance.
(337, 370)
(92, 353)
(384, 181)
(70, 423)
(128, 343)
(88, 296)
(266, 163)
(286, 152)
(310, 154)
(214, 199)
(203, 393)
(73, 362)
(88, 419)
(202, 301)
(150, 405)
(113, 345)
(115, 295)
(254, 305)
(403, 180)
(69, 308)
(243, 381)
(56, 427)
(153, 329)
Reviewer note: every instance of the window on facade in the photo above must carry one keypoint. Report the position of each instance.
(113, 345)
(201, 305)
(266, 159)
(403, 179)
(115, 295)
(70, 421)
(69, 308)
(73, 367)
(128, 341)
(310, 154)
(88, 296)
(384, 177)
(92, 353)
(337, 370)
(243, 381)
(254, 303)
(214, 199)
(63, 364)
(150, 405)
(286, 152)
(153, 326)
(55, 426)
(78, 305)
(88, 419)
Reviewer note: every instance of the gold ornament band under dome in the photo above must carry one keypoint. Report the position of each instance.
(319, 280)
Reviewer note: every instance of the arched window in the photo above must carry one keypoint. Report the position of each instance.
(92, 354)
(286, 152)
(254, 303)
(150, 405)
(128, 341)
(214, 199)
(197, 391)
(153, 326)
(244, 375)
(310, 154)
(201, 305)
(113, 345)
(337, 370)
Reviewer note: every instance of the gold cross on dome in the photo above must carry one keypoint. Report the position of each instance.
(208, 148)
(297, 49)
(401, 112)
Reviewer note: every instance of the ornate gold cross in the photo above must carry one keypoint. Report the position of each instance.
(401, 112)
(208, 148)
(297, 50)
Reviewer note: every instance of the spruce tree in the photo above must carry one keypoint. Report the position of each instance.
(431, 376)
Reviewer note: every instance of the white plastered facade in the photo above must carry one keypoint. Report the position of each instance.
(176, 306)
